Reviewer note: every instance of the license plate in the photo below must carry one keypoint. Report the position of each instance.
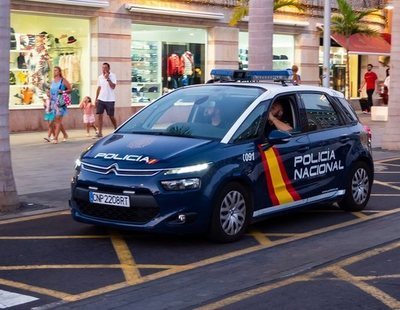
(108, 199)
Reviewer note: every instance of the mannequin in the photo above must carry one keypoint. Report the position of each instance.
(188, 65)
(174, 70)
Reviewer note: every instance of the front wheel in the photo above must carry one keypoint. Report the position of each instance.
(231, 213)
(358, 188)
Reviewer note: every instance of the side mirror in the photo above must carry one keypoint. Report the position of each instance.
(279, 137)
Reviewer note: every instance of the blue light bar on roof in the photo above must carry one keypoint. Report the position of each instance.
(252, 75)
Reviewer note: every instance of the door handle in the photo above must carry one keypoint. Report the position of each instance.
(303, 149)
(344, 139)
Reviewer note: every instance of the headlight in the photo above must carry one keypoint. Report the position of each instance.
(78, 164)
(188, 169)
(182, 184)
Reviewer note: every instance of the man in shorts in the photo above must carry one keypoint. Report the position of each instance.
(105, 97)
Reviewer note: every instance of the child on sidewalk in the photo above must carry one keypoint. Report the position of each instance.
(49, 116)
(88, 114)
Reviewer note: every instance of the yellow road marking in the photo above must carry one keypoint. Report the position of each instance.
(33, 217)
(387, 276)
(385, 195)
(386, 299)
(130, 270)
(335, 269)
(130, 266)
(36, 289)
(83, 266)
(387, 184)
(260, 237)
(387, 160)
(360, 215)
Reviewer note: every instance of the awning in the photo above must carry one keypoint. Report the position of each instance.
(364, 45)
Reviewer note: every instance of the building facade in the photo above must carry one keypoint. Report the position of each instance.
(152, 46)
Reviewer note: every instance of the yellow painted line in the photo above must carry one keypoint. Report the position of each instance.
(365, 255)
(96, 292)
(336, 269)
(251, 293)
(36, 289)
(85, 266)
(370, 278)
(130, 270)
(378, 294)
(33, 217)
(386, 160)
(256, 248)
(53, 237)
(360, 215)
(125, 255)
(387, 184)
(282, 234)
(260, 237)
(385, 195)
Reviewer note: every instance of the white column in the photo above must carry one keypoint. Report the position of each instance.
(391, 138)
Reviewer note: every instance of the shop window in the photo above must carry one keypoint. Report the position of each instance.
(37, 44)
(165, 58)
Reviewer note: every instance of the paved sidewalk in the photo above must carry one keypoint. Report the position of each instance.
(43, 170)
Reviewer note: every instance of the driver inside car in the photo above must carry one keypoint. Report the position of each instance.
(275, 118)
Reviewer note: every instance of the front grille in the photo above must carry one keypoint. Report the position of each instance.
(114, 168)
(132, 214)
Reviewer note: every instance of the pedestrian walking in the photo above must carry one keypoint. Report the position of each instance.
(88, 107)
(296, 79)
(105, 97)
(369, 81)
(49, 116)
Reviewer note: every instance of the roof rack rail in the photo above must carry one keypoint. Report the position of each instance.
(231, 75)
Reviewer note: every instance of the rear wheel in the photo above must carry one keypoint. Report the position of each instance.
(231, 213)
(358, 188)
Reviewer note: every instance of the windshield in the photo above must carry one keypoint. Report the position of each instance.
(202, 112)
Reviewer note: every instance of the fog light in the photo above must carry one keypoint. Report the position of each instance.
(182, 218)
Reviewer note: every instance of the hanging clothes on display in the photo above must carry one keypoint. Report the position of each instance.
(187, 65)
(174, 70)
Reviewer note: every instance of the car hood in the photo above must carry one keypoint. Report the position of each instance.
(145, 151)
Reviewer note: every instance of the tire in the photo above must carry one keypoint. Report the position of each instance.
(231, 213)
(358, 188)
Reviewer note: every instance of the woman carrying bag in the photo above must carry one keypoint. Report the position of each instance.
(58, 89)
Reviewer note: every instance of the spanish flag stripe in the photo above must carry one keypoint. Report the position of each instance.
(268, 178)
(289, 186)
(277, 179)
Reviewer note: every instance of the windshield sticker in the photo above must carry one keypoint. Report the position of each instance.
(315, 164)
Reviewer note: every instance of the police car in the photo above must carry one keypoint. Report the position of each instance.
(207, 158)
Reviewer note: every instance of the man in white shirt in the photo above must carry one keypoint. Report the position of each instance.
(105, 97)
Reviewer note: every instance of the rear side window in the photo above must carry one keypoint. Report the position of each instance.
(320, 112)
(348, 110)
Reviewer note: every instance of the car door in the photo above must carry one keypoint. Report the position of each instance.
(278, 186)
(323, 165)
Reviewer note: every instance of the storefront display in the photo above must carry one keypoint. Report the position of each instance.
(165, 58)
(36, 47)
(283, 51)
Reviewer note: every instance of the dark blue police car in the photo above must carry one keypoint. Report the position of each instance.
(208, 159)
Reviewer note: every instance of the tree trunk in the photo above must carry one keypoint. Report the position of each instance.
(261, 30)
(391, 137)
(8, 193)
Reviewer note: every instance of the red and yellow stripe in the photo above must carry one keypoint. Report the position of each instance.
(279, 186)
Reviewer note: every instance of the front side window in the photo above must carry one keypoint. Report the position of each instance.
(320, 112)
(202, 112)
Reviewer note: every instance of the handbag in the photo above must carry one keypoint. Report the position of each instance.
(63, 99)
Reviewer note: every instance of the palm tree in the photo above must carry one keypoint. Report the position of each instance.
(8, 192)
(261, 27)
(241, 10)
(348, 22)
